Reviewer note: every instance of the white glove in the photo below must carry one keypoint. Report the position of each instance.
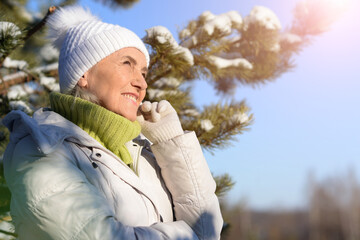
(159, 121)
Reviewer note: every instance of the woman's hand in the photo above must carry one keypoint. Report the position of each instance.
(159, 121)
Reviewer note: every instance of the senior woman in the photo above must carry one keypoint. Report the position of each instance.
(80, 170)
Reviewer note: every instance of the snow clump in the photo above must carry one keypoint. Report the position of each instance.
(222, 24)
(240, 118)
(290, 38)
(167, 82)
(49, 53)
(226, 63)
(275, 48)
(20, 105)
(163, 36)
(264, 17)
(9, 63)
(206, 125)
(156, 93)
(10, 28)
(14, 76)
(50, 83)
(191, 112)
(16, 91)
(47, 68)
(22, 90)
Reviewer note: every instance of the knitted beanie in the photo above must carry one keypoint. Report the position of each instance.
(83, 40)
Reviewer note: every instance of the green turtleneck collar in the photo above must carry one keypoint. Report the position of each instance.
(108, 128)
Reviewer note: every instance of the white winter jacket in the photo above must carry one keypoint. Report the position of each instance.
(66, 185)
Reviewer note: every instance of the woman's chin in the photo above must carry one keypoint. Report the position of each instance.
(130, 117)
(128, 111)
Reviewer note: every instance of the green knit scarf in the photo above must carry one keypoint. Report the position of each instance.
(106, 127)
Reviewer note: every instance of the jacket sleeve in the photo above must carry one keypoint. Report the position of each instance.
(191, 184)
(52, 199)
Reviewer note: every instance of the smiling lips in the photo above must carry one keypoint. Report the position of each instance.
(132, 97)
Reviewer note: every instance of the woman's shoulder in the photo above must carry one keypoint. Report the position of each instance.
(47, 129)
(26, 159)
(42, 126)
(31, 140)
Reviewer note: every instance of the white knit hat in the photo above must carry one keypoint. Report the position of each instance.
(83, 40)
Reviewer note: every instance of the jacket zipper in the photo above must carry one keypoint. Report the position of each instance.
(136, 169)
(136, 166)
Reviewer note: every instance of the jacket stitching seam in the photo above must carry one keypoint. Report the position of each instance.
(34, 203)
(74, 236)
(195, 183)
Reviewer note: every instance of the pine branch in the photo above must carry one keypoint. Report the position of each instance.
(31, 32)
(224, 183)
(3, 87)
(10, 38)
(23, 77)
(4, 109)
(219, 123)
(119, 3)
(38, 26)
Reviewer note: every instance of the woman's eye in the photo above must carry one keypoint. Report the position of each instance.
(127, 63)
(144, 75)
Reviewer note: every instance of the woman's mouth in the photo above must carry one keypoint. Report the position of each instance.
(132, 97)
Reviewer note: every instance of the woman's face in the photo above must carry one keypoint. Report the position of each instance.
(118, 81)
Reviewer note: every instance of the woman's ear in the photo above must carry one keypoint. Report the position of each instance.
(83, 81)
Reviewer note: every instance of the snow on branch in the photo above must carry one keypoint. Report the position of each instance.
(49, 53)
(19, 91)
(240, 117)
(47, 68)
(9, 28)
(206, 125)
(264, 17)
(163, 36)
(191, 112)
(167, 82)
(16, 91)
(290, 38)
(222, 24)
(15, 76)
(50, 83)
(22, 77)
(158, 93)
(226, 63)
(9, 37)
(19, 64)
(20, 105)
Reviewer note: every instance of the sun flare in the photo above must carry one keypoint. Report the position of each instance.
(341, 3)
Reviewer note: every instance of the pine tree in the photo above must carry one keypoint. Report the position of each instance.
(225, 50)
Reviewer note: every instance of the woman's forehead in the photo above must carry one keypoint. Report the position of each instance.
(132, 54)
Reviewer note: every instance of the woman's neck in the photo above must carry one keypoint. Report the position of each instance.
(108, 128)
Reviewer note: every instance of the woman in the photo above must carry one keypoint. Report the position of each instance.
(81, 170)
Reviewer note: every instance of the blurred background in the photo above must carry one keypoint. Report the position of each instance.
(289, 166)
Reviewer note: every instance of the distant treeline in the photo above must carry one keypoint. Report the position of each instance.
(332, 213)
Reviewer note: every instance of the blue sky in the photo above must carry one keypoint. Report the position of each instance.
(306, 121)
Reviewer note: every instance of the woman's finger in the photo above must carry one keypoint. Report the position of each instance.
(146, 106)
(154, 114)
(163, 106)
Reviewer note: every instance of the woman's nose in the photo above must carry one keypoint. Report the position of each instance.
(139, 81)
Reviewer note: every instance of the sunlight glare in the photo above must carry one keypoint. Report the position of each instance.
(340, 3)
